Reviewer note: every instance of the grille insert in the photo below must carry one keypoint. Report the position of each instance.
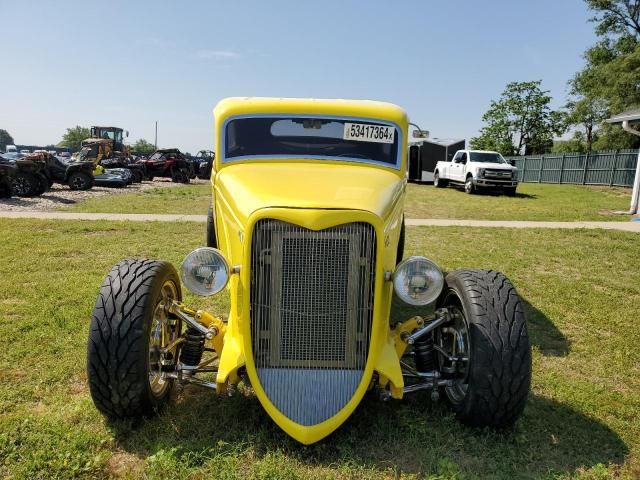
(311, 314)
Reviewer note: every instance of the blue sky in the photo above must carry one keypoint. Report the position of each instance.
(128, 64)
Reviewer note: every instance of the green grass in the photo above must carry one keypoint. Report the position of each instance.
(581, 288)
(533, 202)
(185, 199)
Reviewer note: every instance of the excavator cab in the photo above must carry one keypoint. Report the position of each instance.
(115, 134)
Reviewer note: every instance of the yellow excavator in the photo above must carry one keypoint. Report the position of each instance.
(106, 148)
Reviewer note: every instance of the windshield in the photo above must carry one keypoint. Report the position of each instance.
(486, 157)
(312, 137)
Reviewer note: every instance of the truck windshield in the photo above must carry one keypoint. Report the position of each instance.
(323, 138)
(486, 157)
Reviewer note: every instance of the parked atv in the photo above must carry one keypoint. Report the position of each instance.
(29, 178)
(170, 163)
(7, 171)
(77, 175)
(204, 161)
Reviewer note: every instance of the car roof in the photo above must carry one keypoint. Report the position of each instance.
(309, 106)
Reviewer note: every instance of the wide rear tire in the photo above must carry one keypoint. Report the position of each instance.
(438, 182)
(179, 175)
(123, 367)
(488, 316)
(25, 184)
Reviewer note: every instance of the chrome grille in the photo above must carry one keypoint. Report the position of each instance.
(503, 174)
(311, 314)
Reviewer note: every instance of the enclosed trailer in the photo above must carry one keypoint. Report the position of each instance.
(424, 155)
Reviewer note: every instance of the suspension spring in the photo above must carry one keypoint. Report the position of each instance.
(424, 354)
(192, 348)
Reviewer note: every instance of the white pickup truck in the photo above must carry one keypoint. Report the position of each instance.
(476, 169)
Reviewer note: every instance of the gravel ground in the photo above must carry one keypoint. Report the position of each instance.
(60, 195)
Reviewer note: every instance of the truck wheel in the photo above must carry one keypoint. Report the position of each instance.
(469, 187)
(25, 184)
(438, 182)
(211, 229)
(510, 192)
(488, 338)
(80, 181)
(129, 328)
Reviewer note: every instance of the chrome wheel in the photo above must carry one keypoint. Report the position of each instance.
(453, 347)
(468, 185)
(164, 330)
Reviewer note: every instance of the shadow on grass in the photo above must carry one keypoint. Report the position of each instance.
(54, 198)
(409, 436)
(544, 334)
(498, 193)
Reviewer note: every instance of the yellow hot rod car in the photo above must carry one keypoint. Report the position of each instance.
(306, 230)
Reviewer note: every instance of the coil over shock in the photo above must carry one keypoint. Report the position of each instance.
(192, 348)
(424, 354)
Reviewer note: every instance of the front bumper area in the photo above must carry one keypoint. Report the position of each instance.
(489, 182)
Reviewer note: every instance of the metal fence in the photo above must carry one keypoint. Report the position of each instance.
(615, 167)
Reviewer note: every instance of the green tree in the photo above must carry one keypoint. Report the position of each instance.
(74, 136)
(520, 121)
(5, 139)
(586, 113)
(142, 147)
(615, 17)
(611, 75)
(576, 143)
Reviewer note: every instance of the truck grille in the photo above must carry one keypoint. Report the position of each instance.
(499, 174)
(311, 313)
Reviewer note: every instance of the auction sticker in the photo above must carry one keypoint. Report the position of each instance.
(363, 132)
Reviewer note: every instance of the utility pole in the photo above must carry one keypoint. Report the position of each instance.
(156, 142)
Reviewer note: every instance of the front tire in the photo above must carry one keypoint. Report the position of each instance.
(489, 330)
(129, 327)
(469, 187)
(80, 181)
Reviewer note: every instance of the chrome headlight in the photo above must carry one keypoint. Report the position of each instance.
(481, 172)
(205, 271)
(418, 281)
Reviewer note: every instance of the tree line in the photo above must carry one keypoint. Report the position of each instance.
(73, 138)
(521, 121)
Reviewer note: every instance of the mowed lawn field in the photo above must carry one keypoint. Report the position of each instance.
(581, 291)
(533, 202)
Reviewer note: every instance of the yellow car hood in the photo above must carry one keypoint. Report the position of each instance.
(247, 187)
